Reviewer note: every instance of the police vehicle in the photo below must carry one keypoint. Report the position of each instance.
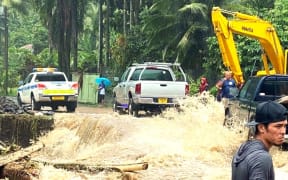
(48, 87)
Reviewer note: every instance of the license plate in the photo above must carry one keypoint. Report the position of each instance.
(162, 100)
(58, 98)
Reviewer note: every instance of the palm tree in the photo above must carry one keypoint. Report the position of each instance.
(107, 31)
(5, 22)
(100, 61)
(21, 7)
(64, 20)
(177, 25)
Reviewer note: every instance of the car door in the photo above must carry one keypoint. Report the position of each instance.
(26, 89)
(120, 89)
(246, 99)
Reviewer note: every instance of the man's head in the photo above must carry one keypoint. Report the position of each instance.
(228, 74)
(270, 121)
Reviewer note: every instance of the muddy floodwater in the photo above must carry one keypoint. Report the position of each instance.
(191, 144)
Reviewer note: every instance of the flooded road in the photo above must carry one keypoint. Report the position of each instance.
(191, 144)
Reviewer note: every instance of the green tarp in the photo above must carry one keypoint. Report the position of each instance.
(88, 92)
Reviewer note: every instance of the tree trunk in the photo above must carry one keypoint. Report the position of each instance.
(61, 35)
(124, 17)
(100, 60)
(136, 10)
(6, 49)
(67, 37)
(74, 34)
(131, 14)
(108, 32)
(64, 45)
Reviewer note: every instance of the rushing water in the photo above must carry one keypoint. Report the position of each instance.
(191, 144)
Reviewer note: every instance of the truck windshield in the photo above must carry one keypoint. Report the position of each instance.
(155, 74)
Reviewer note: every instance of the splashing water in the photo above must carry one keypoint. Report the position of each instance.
(187, 144)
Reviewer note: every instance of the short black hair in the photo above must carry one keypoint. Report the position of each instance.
(256, 128)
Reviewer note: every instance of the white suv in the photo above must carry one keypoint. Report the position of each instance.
(48, 87)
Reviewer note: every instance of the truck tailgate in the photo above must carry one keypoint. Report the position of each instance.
(162, 89)
(58, 88)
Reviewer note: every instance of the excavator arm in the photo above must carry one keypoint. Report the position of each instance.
(253, 27)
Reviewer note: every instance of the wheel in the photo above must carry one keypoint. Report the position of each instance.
(252, 129)
(115, 104)
(35, 105)
(54, 107)
(229, 122)
(116, 108)
(71, 106)
(132, 108)
(19, 101)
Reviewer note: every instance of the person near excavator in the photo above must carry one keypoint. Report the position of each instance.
(224, 85)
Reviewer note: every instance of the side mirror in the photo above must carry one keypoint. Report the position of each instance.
(20, 83)
(116, 79)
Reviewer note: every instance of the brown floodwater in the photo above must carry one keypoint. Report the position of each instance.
(191, 144)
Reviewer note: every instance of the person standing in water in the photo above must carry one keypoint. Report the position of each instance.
(203, 87)
(101, 91)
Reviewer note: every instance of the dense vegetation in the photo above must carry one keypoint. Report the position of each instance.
(104, 36)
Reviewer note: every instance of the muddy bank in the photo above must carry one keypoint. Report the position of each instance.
(22, 129)
(19, 125)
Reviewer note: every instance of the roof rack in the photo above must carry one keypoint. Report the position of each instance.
(156, 64)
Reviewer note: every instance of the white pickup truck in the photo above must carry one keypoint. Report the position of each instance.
(48, 87)
(150, 86)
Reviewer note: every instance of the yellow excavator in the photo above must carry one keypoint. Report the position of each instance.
(255, 28)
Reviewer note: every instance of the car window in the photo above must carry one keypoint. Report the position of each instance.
(249, 88)
(49, 77)
(136, 74)
(155, 74)
(281, 87)
(178, 73)
(28, 79)
(274, 88)
(125, 75)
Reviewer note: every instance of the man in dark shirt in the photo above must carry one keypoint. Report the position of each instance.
(252, 160)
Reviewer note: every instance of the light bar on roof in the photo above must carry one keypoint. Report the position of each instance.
(44, 69)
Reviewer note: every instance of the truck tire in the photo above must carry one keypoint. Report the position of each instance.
(19, 101)
(228, 119)
(71, 107)
(34, 105)
(115, 104)
(116, 107)
(54, 107)
(132, 108)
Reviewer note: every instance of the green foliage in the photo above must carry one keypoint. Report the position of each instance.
(169, 31)
(176, 29)
(213, 60)
(128, 50)
(87, 61)
(48, 58)
(278, 17)
(193, 85)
